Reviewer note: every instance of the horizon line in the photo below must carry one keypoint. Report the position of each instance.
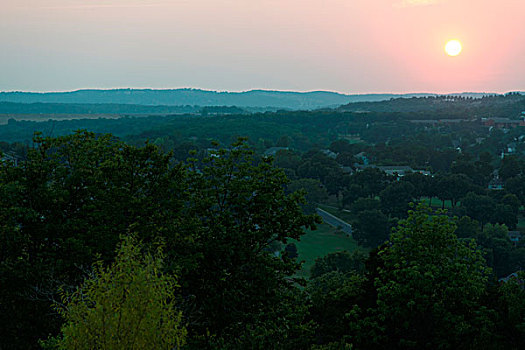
(261, 89)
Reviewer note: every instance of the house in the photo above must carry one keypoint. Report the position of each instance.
(496, 184)
(329, 153)
(362, 156)
(515, 236)
(503, 123)
(435, 122)
(479, 140)
(401, 170)
(511, 147)
(511, 277)
(393, 170)
(396, 170)
(347, 170)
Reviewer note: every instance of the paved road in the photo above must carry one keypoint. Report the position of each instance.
(335, 221)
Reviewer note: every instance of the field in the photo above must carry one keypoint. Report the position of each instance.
(521, 223)
(320, 242)
(436, 203)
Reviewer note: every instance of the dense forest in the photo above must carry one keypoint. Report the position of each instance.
(216, 229)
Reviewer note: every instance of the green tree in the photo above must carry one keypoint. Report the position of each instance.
(429, 288)
(335, 182)
(453, 187)
(341, 146)
(504, 214)
(510, 167)
(287, 159)
(317, 166)
(353, 193)
(396, 198)
(484, 167)
(315, 191)
(511, 306)
(467, 228)
(371, 228)
(284, 141)
(127, 305)
(478, 207)
(346, 159)
(419, 181)
(512, 201)
(497, 245)
(65, 204)
(516, 186)
(237, 294)
(335, 296)
(362, 204)
(343, 262)
(371, 180)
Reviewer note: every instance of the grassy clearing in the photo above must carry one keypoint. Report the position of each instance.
(320, 242)
(521, 223)
(436, 203)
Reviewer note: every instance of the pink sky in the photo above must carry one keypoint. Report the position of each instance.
(352, 46)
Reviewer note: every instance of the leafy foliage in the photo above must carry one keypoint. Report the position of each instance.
(65, 207)
(429, 287)
(342, 262)
(128, 305)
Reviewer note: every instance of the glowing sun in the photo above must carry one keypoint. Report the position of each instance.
(453, 48)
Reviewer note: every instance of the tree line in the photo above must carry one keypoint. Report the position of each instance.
(91, 227)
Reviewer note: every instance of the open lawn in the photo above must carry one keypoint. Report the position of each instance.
(320, 242)
(521, 223)
(436, 203)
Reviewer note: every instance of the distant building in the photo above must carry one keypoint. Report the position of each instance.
(503, 123)
(511, 147)
(479, 140)
(515, 236)
(435, 122)
(496, 184)
(347, 170)
(362, 156)
(329, 153)
(512, 277)
(394, 170)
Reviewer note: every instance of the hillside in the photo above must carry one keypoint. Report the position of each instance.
(510, 105)
(196, 97)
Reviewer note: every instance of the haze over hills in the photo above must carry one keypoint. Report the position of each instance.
(92, 108)
(197, 97)
(508, 105)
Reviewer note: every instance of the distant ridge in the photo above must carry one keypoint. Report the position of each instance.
(197, 97)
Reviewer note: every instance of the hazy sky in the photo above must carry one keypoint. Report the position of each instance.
(340, 45)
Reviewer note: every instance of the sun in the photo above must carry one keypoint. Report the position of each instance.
(453, 47)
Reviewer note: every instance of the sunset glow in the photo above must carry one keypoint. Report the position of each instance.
(341, 45)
